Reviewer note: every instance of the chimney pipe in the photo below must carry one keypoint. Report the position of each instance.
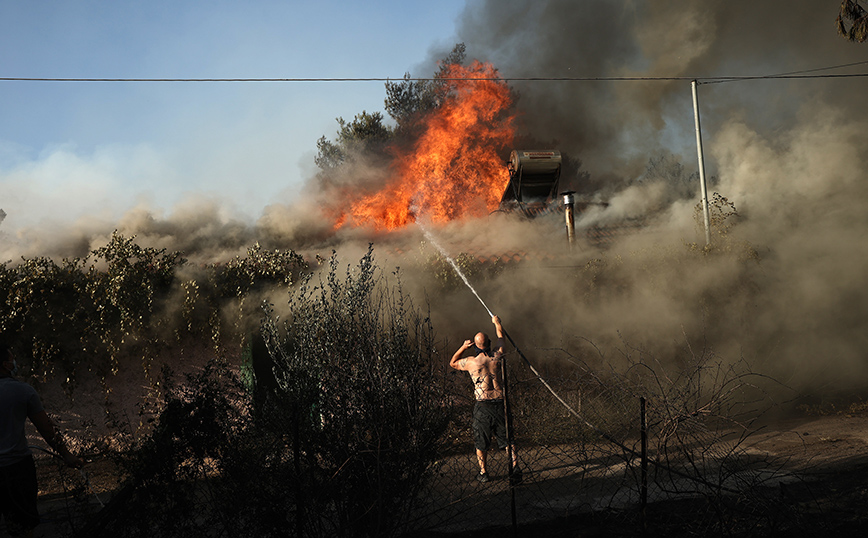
(569, 200)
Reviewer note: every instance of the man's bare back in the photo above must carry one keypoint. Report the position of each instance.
(485, 372)
(485, 367)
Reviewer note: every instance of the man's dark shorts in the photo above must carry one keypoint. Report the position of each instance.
(18, 493)
(488, 421)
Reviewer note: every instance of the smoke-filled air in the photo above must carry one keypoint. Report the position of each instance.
(782, 286)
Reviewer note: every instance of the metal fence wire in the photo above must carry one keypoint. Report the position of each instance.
(591, 441)
(605, 443)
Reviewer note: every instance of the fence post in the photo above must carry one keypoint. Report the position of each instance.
(643, 488)
(507, 409)
(300, 515)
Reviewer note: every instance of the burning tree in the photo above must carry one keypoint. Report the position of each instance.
(443, 158)
(408, 101)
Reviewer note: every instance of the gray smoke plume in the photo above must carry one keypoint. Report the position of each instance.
(786, 285)
(614, 126)
(790, 154)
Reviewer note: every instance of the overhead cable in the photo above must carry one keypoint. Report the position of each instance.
(704, 80)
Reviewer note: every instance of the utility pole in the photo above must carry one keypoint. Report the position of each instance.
(703, 188)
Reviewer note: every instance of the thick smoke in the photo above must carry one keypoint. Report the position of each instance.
(614, 126)
(785, 287)
(787, 153)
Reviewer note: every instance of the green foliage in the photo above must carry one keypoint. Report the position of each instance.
(365, 135)
(123, 294)
(240, 276)
(470, 266)
(406, 102)
(69, 314)
(39, 305)
(124, 299)
(409, 100)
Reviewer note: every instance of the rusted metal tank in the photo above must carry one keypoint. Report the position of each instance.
(533, 181)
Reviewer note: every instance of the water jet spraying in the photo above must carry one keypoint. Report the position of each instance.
(446, 255)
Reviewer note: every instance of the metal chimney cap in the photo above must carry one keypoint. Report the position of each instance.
(569, 199)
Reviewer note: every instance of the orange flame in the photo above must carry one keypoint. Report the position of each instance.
(453, 169)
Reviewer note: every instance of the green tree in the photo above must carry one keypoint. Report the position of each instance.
(365, 135)
(409, 100)
(125, 302)
(126, 291)
(406, 103)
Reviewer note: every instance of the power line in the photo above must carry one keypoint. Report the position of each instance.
(863, 62)
(803, 74)
(703, 80)
(33, 79)
(796, 74)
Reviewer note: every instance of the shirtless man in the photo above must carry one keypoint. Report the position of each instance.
(488, 413)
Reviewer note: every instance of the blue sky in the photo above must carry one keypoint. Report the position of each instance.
(69, 149)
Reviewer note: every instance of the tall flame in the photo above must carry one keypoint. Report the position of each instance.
(453, 169)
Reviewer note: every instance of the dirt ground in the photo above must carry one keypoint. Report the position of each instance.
(827, 450)
(826, 441)
(830, 454)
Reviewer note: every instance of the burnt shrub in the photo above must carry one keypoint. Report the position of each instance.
(175, 477)
(337, 442)
(356, 401)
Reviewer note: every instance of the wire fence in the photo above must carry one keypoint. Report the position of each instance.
(607, 445)
(591, 442)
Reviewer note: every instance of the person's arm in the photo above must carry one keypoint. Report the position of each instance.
(456, 358)
(498, 327)
(52, 436)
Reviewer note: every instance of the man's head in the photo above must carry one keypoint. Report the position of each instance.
(482, 341)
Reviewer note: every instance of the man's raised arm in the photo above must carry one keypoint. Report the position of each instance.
(498, 327)
(456, 358)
